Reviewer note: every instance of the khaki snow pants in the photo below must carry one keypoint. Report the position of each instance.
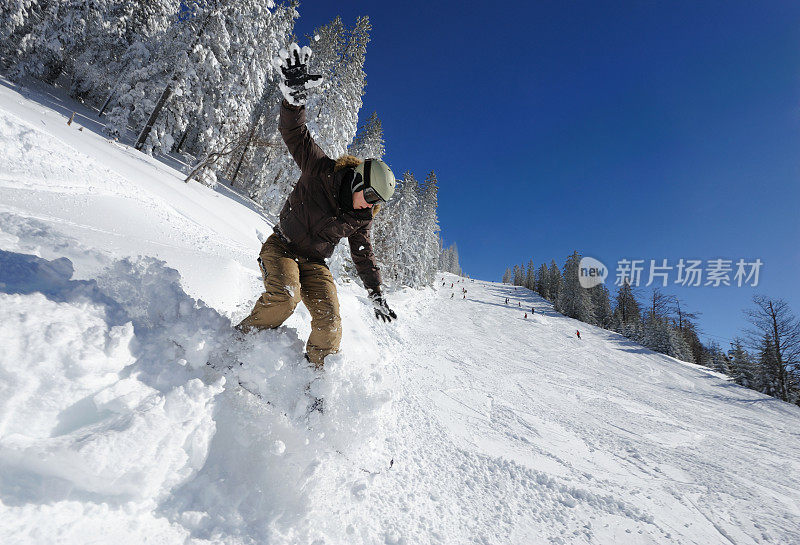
(288, 279)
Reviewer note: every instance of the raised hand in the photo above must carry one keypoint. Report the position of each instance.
(293, 64)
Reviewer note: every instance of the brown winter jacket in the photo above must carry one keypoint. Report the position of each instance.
(312, 221)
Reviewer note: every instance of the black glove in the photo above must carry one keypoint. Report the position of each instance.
(297, 81)
(382, 310)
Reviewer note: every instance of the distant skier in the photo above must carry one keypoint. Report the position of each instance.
(519, 303)
(526, 315)
(452, 295)
(331, 200)
(533, 311)
(578, 333)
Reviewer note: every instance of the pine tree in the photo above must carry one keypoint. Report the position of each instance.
(190, 78)
(655, 334)
(554, 283)
(626, 311)
(333, 107)
(716, 359)
(601, 303)
(519, 275)
(17, 17)
(573, 299)
(397, 246)
(772, 320)
(507, 276)
(57, 35)
(543, 282)
(678, 347)
(530, 276)
(684, 324)
(767, 373)
(428, 223)
(742, 367)
(449, 260)
(368, 143)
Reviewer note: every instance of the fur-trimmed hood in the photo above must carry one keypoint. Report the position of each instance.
(350, 161)
(346, 161)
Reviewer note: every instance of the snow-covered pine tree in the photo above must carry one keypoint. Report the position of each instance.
(140, 64)
(530, 276)
(554, 282)
(369, 143)
(741, 364)
(601, 303)
(716, 360)
(407, 244)
(333, 107)
(428, 224)
(543, 281)
(573, 299)
(626, 311)
(212, 68)
(398, 247)
(766, 377)
(17, 17)
(655, 334)
(684, 324)
(453, 264)
(150, 67)
(444, 257)
(773, 318)
(678, 347)
(507, 276)
(106, 59)
(519, 275)
(57, 36)
(659, 331)
(456, 262)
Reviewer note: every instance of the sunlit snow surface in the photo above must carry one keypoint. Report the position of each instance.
(118, 283)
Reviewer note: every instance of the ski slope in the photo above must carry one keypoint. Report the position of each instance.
(463, 422)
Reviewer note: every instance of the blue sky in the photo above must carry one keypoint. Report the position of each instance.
(644, 130)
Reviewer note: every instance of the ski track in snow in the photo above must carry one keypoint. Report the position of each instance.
(503, 430)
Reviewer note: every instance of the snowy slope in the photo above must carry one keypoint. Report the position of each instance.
(118, 282)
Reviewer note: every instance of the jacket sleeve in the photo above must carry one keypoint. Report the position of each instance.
(364, 259)
(292, 126)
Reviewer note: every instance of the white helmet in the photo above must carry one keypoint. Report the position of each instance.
(376, 180)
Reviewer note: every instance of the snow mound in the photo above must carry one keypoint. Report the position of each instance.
(108, 397)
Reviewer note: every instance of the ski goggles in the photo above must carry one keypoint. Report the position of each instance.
(370, 194)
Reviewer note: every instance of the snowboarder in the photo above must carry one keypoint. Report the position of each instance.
(578, 333)
(332, 199)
